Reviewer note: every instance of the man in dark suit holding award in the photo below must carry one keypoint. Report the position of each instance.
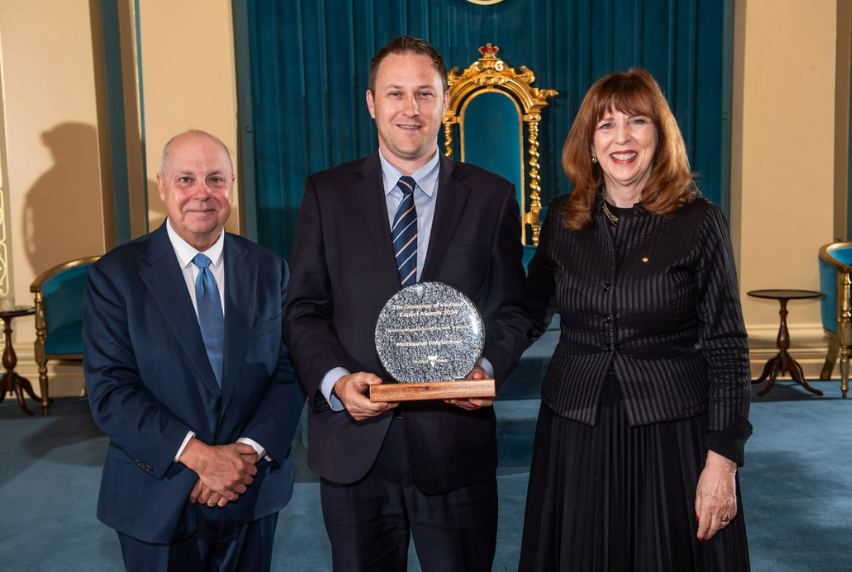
(366, 229)
(189, 377)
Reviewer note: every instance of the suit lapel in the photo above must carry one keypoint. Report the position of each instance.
(240, 309)
(369, 193)
(452, 197)
(164, 279)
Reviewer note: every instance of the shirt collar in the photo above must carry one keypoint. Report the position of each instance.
(426, 176)
(186, 252)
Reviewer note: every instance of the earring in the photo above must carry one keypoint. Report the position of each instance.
(594, 159)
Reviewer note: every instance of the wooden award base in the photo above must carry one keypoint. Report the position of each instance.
(433, 390)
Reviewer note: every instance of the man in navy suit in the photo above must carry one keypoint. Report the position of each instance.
(190, 379)
(425, 469)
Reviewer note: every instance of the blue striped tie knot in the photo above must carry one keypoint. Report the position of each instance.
(404, 233)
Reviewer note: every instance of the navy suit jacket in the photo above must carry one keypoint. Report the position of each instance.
(150, 382)
(344, 271)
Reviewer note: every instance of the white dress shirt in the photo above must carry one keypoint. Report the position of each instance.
(185, 253)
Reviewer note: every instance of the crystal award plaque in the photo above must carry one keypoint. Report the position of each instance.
(429, 337)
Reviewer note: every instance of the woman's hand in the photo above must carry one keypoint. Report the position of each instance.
(716, 495)
(473, 402)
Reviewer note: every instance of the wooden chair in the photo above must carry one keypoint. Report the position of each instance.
(58, 296)
(495, 110)
(835, 267)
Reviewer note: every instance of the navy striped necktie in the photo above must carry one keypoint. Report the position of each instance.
(404, 233)
(210, 316)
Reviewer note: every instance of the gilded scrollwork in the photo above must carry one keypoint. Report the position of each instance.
(491, 72)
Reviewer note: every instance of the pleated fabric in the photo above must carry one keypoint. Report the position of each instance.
(613, 498)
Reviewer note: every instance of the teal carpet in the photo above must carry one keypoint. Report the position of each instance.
(796, 488)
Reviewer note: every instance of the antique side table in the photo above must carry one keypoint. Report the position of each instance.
(783, 362)
(11, 381)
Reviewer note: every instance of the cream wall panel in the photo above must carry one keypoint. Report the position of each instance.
(52, 146)
(783, 178)
(188, 76)
(51, 123)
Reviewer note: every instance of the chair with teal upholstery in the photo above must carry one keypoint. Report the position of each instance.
(835, 268)
(58, 296)
(494, 111)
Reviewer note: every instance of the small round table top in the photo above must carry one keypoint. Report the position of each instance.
(785, 294)
(18, 311)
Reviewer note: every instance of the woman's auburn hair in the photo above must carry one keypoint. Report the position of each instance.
(634, 92)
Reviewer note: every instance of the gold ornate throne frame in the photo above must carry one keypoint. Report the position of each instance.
(496, 110)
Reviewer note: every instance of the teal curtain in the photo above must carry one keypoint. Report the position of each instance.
(114, 102)
(309, 60)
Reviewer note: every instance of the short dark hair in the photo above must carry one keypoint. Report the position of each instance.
(407, 45)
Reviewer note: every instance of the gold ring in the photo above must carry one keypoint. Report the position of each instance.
(726, 517)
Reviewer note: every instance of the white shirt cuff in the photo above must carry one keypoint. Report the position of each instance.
(183, 445)
(261, 452)
(327, 384)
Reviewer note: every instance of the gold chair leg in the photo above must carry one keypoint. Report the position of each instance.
(42, 383)
(844, 329)
(830, 358)
(845, 354)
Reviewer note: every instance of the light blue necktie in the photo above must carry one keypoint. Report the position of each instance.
(210, 316)
(404, 234)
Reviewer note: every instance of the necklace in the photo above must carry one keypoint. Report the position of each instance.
(612, 218)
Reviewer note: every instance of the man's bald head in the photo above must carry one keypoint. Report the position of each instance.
(192, 133)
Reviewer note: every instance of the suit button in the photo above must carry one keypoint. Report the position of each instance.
(609, 347)
(606, 287)
(608, 319)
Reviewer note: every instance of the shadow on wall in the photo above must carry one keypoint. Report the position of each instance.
(62, 215)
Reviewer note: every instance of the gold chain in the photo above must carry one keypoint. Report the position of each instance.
(612, 218)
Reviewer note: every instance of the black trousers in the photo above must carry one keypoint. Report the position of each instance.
(370, 522)
(218, 545)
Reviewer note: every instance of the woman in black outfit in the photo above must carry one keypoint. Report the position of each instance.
(644, 412)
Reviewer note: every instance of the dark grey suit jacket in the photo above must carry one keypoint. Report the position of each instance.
(344, 271)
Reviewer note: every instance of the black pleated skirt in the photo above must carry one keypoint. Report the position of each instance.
(616, 498)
